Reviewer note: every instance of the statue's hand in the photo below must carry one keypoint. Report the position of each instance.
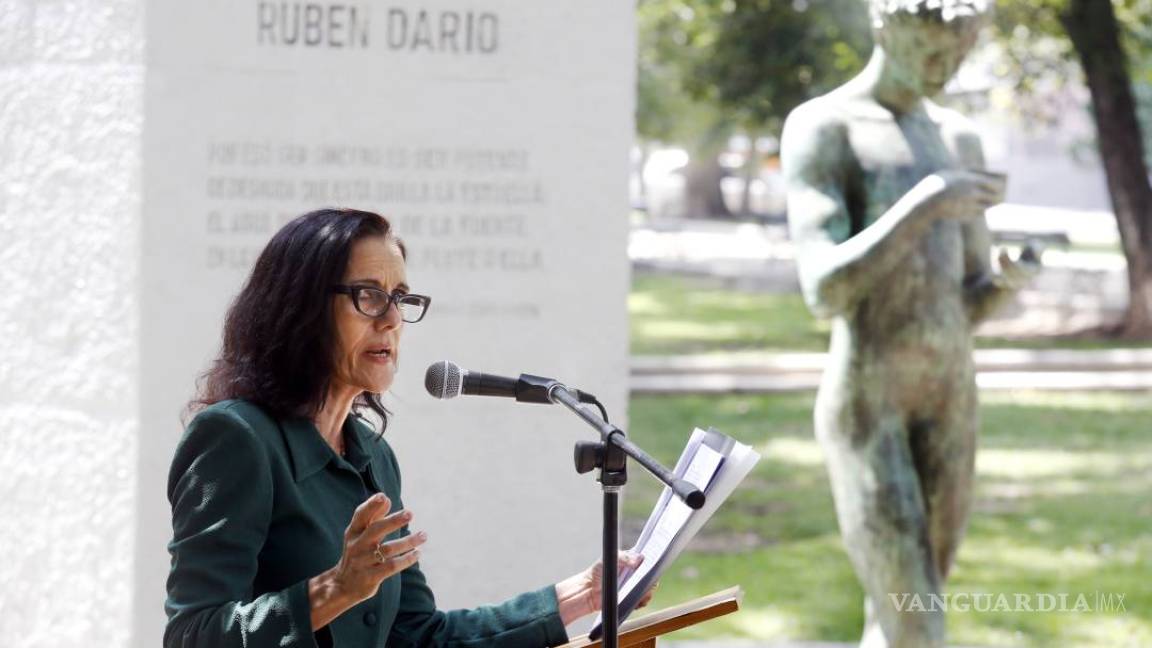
(958, 193)
(1016, 273)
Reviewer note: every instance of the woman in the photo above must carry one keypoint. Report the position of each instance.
(288, 527)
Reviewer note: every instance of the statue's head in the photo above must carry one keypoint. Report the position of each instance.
(926, 40)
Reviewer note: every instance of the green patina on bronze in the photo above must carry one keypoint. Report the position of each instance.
(886, 205)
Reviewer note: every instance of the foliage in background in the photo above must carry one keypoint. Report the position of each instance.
(712, 68)
(755, 60)
(1039, 61)
(664, 111)
(765, 57)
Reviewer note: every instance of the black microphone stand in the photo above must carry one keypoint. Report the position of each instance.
(610, 455)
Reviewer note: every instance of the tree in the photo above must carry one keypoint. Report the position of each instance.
(1103, 37)
(749, 62)
(667, 112)
(768, 56)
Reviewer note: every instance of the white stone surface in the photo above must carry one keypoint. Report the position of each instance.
(540, 289)
(103, 329)
(70, 122)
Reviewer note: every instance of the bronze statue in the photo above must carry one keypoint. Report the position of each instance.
(886, 202)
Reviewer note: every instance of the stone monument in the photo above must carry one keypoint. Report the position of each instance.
(151, 149)
(886, 200)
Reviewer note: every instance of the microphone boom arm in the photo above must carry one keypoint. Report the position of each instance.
(683, 488)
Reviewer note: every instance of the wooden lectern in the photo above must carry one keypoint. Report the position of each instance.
(642, 632)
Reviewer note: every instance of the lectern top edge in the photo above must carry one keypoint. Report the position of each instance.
(645, 629)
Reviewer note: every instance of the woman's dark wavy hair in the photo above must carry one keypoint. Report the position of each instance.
(279, 334)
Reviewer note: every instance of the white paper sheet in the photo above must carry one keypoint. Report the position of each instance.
(714, 463)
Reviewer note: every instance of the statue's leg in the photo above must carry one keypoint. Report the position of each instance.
(945, 456)
(882, 518)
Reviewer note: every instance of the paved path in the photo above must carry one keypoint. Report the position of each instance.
(1110, 369)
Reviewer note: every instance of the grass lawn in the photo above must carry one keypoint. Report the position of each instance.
(676, 314)
(1064, 505)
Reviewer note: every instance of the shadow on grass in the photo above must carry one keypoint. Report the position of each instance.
(1061, 506)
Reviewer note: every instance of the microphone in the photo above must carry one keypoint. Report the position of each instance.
(446, 380)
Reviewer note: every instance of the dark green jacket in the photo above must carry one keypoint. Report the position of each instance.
(259, 506)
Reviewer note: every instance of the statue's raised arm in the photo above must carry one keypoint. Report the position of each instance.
(840, 257)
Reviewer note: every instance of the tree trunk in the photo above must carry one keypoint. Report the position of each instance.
(1092, 26)
(702, 195)
(751, 171)
(640, 164)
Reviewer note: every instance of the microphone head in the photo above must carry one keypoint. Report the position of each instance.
(444, 379)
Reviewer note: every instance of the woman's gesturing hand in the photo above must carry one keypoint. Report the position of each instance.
(579, 595)
(366, 561)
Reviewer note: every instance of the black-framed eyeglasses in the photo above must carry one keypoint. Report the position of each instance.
(375, 302)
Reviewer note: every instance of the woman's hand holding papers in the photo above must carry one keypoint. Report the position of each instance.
(579, 595)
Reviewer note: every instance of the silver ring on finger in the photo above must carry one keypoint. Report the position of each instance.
(379, 554)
